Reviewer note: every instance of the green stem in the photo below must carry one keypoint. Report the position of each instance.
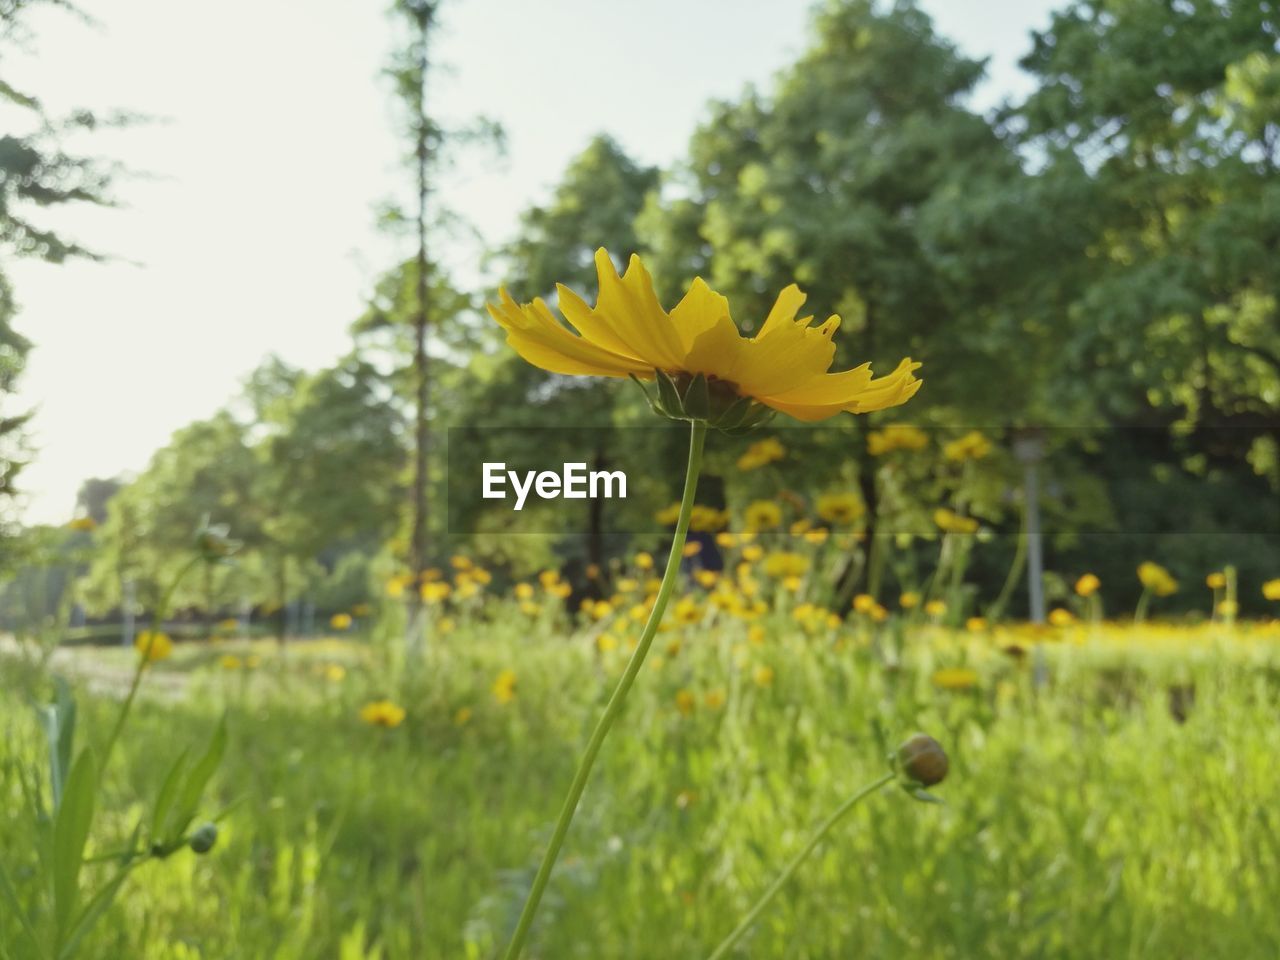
(143, 659)
(697, 437)
(1144, 601)
(740, 930)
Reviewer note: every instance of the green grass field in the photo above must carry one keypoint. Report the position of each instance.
(1082, 818)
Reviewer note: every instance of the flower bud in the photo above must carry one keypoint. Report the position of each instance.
(204, 837)
(213, 543)
(922, 760)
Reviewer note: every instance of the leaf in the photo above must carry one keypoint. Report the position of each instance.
(168, 790)
(70, 833)
(697, 399)
(192, 789)
(15, 905)
(58, 719)
(92, 912)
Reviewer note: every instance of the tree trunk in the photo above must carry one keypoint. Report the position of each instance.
(421, 359)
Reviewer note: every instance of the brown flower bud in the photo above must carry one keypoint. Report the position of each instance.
(921, 759)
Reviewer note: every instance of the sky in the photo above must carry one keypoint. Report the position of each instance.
(246, 224)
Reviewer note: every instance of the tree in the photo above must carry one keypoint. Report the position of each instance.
(35, 175)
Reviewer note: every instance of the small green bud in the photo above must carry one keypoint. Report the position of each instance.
(922, 760)
(213, 542)
(204, 837)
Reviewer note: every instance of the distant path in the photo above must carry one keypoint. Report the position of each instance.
(102, 675)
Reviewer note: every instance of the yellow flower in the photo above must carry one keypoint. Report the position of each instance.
(1157, 579)
(548, 579)
(1216, 581)
(864, 603)
(1271, 589)
(763, 515)
(817, 537)
(687, 611)
(909, 600)
(726, 541)
(840, 508)
(752, 553)
(600, 609)
(382, 713)
(83, 523)
(153, 646)
(435, 592)
(1228, 608)
(896, 436)
(972, 446)
(951, 522)
(361, 610)
(935, 608)
(761, 453)
(714, 699)
(1088, 585)
(482, 576)
(644, 561)
(706, 578)
(628, 333)
(976, 624)
(340, 621)
(334, 672)
(762, 676)
(1061, 617)
(955, 678)
(668, 516)
(606, 642)
(783, 563)
(523, 591)
(504, 687)
(230, 661)
(685, 702)
(460, 563)
(755, 636)
(708, 519)
(692, 548)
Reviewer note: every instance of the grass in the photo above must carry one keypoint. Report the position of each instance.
(1083, 817)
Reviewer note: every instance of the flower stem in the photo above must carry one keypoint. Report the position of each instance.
(144, 656)
(697, 437)
(767, 897)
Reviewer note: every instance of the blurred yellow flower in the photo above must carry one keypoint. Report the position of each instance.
(460, 563)
(976, 624)
(435, 592)
(708, 519)
(687, 611)
(668, 516)
(153, 646)
(762, 676)
(685, 702)
(972, 446)
(756, 635)
(1216, 581)
(840, 508)
(334, 672)
(548, 578)
(83, 524)
(763, 515)
(462, 716)
(1228, 608)
(752, 553)
(1157, 579)
(864, 603)
(714, 699)
(382, 713)
(896, 436)
(1088, 585)
(782, 563)
(1271, 589)
(955, 678)
(692, 548)
(230, 661)
(340, 621)
(504, 687)
(909, 600)
(951, 522)
(761, 453)
(628, 333)
(706, 578)
(606, 642)
(935, 608)
(1061, 617)
(361, 610)
(644, 561)
(600, 609)
(523, 591)
(726, 541)
(817, 537)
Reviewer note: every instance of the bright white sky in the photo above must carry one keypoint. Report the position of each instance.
(254, 231)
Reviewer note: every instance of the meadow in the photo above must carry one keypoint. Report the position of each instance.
(1110, 791)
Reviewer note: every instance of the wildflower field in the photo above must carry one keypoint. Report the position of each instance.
(1110, 794)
